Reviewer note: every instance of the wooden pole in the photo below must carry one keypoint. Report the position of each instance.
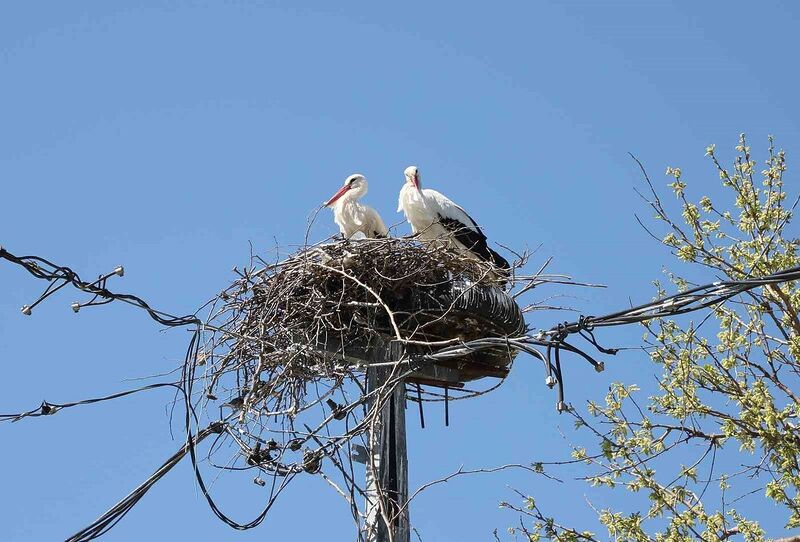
(387, 467)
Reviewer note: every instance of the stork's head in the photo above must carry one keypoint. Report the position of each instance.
(354, 186)
(413, 176)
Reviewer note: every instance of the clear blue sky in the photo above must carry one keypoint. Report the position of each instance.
(165, 136)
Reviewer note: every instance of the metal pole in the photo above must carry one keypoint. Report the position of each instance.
(387, 466)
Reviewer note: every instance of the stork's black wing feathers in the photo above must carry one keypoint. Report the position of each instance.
(466, 214)
(475, 241)
(463, 234)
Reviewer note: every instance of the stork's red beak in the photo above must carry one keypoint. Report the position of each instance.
(337, 195)
(416, 181)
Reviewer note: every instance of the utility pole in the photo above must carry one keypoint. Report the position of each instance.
(387, 458)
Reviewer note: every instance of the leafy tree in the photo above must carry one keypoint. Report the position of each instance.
(728, 397)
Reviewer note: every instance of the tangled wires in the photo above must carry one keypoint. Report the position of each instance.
(286, 346)
(275, 372)
(555, 339)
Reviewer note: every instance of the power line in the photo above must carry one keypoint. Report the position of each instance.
(59, 276)
(545, 345)
(555, 339)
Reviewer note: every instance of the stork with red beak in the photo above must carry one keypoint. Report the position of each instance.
(354, 219)
(433, 216)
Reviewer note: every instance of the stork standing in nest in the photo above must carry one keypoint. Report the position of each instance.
(354, 219)
(433, 216)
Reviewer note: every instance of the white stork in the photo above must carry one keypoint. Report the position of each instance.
(351, 216)
(433, 216)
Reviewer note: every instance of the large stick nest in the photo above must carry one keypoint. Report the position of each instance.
(287, 339)
(348, 298)
(280, 359)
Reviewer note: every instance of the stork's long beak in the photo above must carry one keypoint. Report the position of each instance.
(337, 195)
(416, 181)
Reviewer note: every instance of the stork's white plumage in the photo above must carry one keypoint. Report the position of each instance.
(353, 218)
(434, 216)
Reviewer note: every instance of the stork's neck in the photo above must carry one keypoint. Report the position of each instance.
(348, 204)
(352, 195)
(411, 193)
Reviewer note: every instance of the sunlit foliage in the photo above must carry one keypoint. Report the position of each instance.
(729, 383)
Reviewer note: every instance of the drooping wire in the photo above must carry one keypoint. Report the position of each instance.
(48, 409)
(111, 517)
